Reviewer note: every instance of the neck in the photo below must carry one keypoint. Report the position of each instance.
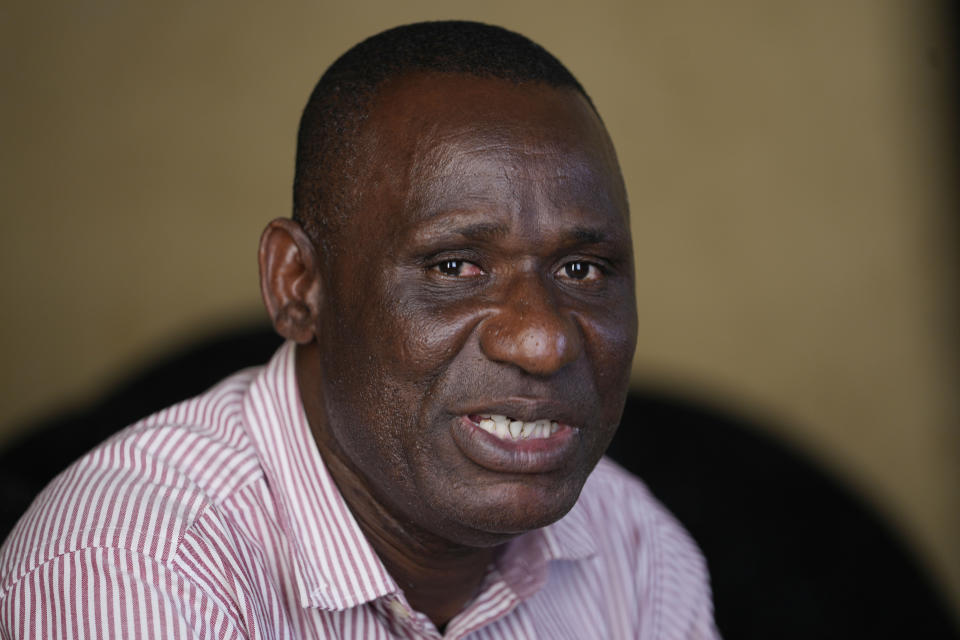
(438, 577)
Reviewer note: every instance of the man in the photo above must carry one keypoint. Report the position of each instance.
(421, 458)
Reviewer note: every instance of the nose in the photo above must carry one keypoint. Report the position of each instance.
(529, 331)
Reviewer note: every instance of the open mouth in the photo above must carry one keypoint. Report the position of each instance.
(507, 428)
(497, 443)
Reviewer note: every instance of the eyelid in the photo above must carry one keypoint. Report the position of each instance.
(430, 258)
(436, 263)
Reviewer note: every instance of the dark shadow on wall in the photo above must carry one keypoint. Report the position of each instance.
(792, 553)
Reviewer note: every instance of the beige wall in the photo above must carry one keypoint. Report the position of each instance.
(785, 160)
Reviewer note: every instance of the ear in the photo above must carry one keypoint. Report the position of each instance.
(290, 280)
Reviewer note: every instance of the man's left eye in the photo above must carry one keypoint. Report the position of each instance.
(580, 270)
(457, 268)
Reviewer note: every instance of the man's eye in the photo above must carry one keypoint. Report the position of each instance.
(580, 270)
(457, 268)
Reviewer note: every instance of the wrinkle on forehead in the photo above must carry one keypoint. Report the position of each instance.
(465, 168)
(467, 142)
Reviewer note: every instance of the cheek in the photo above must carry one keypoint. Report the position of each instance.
(387, 353)
(610, 340)
(426, 337)
(360, 351)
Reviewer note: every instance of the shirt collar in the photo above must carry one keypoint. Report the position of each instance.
(335, 567)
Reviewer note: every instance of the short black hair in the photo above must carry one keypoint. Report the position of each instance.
(326, 141)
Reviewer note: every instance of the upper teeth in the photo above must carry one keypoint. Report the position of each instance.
(504, 427)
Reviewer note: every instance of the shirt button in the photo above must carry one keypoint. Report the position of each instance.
(399, 610)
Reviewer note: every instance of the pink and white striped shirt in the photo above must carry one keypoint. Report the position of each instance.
(216, 518)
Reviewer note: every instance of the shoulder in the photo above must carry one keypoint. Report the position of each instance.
(141, 491)
(640, 541)
(618, 498)
(621, 510)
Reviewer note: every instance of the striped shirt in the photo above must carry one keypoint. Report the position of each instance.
(216, 518)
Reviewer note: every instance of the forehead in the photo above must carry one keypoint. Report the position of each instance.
(439, 142)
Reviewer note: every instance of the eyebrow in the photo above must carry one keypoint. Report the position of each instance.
(587, 235)
(486, 231)
(483, 230)
(475, 231)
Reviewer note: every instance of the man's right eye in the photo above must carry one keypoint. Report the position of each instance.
(457, 269)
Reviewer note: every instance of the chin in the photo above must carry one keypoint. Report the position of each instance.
(507, 511)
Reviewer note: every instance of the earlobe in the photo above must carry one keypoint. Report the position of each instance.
(290, 280)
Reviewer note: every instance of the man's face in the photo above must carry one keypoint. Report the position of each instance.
(487, 270)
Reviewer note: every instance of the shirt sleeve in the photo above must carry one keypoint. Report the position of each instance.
(111, 593)
(704, 627)
(687, 598)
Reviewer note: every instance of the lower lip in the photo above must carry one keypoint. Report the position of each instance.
(533, 455)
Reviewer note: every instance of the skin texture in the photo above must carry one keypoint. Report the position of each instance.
(486, 269)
